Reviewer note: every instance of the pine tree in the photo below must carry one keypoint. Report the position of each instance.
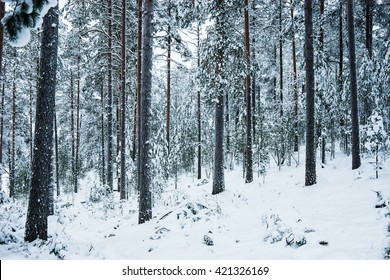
(123, 107)
(145, 200)
(248, 92)
(353, 86)
(218, 176)
(310, 173)
(38, 205)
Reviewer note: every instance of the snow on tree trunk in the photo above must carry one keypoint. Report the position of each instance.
(218, 176)
(145, 200)
(38, 204)
(310, 172)
(353, 87)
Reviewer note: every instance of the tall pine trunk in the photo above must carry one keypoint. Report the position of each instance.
(58, 191)
(109, 100)
(77, 148)
(248, 157)
(294, 58)
(72, 132)
(2, 12)
(218, 176)
(353, 86)
(103, 150)
(13, 128)
(38, 204)
(123, 107)
(310, 165)
(169, 45)
(145, 200)
(199, 111)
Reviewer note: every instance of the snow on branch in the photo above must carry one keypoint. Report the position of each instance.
(24, 15)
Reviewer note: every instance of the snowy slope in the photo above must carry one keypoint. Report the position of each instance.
(278, 219)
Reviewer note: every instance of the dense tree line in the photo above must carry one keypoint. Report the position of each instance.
(148, 90)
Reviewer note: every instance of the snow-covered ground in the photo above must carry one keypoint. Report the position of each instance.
(279, 219)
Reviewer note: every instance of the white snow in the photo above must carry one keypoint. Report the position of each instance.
(279, 219)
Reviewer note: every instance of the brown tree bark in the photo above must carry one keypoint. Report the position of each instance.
(248, 157)
(310, 165)
(39, 199)
(353, 86)
(169, 45)
(123, 106)
(199, 109)
(109, 101)
(295, 75)
(145, 200)
(218, 175)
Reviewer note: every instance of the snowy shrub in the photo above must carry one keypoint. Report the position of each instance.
(3, 197)
(375, 138)
(277, 230)
(7, 234)
(98, 192)
(58, 245)
(386, 253)
(296, 240)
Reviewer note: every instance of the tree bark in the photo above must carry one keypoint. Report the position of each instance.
(280, 59)
(369, 27)
(145, 201)
(353, 86)
(218, 176)
(249, 160)
(169, 45)
(77, 164)
(56, 158)
(199, 110)
(72, 132)
(123, 106)
(102, 133)
(310, 165)
(109, 101)
(13, 123)
(294, 58)
(38, 204)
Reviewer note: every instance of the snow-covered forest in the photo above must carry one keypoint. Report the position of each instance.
(190, 129)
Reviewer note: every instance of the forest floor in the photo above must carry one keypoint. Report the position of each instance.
(346, 215)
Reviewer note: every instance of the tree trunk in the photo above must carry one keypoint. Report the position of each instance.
(249, 160)
(280, 59)
(369, 27)
(72, 132)
(31, 124)
(310, 165)
(2, 12)
(123, 106)
(102, 133)
(38, 204)
(367, 102)
(137, 131)
(322, 9)
(294, 58)
(353, 86)
(340, 76)
(169, 43)
(77, 165)
(56, 151)
(323, 138)
(145, 200)
(218, 176)
(13, 123)
(109, 100)
(199, 111)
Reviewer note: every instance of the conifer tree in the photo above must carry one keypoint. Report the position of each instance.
(38, 205)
